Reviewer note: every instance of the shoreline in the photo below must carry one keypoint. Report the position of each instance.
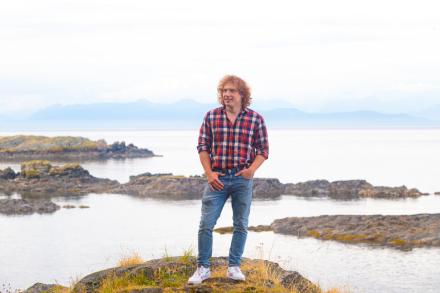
(40, 179)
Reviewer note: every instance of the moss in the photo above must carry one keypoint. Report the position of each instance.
(113, 284)
(398, 242)
(224, 230)
(74, 190)
(7, 151)
(346, 237)
(171, 279)
(58, 170)
(328, 234)
(313, 233)
(173, 177)
(57, 289)
(56, 149)
(31, 173)
(230, 229)
(36, 163)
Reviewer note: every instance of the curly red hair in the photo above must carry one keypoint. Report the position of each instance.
(242, 86)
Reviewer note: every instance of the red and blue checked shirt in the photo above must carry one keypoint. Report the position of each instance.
(233, 145)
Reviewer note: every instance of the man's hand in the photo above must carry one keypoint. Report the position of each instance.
(214, 182)
(247, 173)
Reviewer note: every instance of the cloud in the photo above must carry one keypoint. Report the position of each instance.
(306, 52)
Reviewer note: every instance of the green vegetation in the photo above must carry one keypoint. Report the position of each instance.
(230, 229)
(187, 255)
(166, 256)
(35, 168)
(398, 242)
(224, 230)
(33, 143)
(173, 274)
(41, 168)
(59, 170)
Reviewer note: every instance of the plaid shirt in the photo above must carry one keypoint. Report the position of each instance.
(233, 145)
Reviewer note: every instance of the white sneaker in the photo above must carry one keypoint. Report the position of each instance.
(199, 275)
(235, 273)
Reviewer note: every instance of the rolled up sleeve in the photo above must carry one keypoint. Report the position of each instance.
(205, 136)
(261, 142)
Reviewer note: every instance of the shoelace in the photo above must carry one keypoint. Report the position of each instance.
(201, 271)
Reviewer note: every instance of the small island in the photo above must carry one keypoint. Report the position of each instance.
(67, 148)
(403, 232)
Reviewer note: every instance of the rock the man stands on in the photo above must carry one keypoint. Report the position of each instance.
(232, 145)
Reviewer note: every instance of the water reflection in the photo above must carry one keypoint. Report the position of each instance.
(74, 242)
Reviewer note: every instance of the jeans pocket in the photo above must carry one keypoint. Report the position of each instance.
(245, 178)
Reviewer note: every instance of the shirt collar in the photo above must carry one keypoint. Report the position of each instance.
(245, 110)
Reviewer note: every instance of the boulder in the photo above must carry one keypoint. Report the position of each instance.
(43, 288)
(27, 206)
(7, 174)
(175, 271)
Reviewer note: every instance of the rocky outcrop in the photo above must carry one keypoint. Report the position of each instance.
(27, 206)
(164, 186)
(269, 188)
(40, 288)
(7, 173)
(230, 229)
(41, 178)
(168, 186)
(173, 273)
(29, 147)
(348, 189)
(402, 231)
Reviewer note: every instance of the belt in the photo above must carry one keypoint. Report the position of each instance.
(229, 171)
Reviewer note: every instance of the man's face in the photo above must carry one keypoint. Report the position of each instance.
(231, 96)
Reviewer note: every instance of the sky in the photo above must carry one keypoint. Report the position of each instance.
(317, 55)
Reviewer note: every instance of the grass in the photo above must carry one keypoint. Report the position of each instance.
(25, 143)
(166, 256)
(187, 255)
(261, 276)
(58, 170)
(114, 284)
(130, 260)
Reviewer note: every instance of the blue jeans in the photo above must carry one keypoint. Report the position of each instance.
(240, 190)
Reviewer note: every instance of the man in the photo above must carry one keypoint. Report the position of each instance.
(232, 145)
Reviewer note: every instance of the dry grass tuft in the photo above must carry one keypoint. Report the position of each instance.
(130, 260)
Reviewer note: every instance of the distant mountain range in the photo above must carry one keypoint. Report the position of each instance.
(188, 114)
(432, 113)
